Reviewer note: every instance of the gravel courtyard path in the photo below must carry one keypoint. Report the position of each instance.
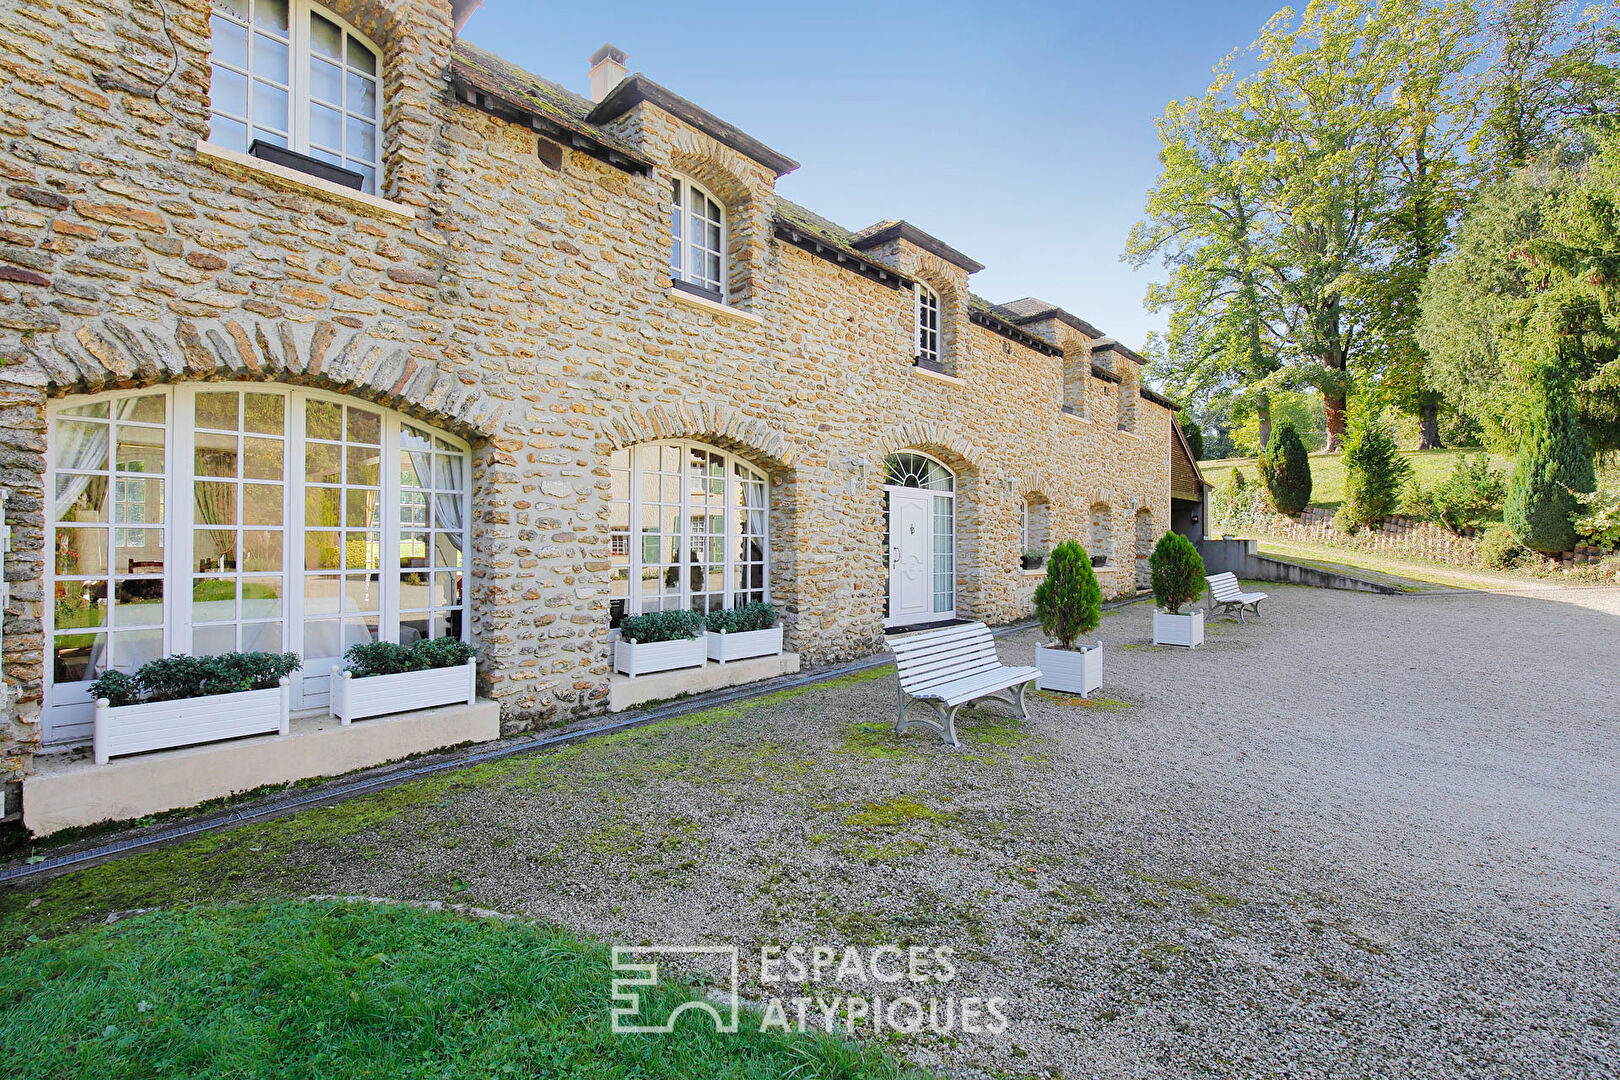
(1368, 836)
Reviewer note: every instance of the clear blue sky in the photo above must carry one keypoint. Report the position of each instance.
(1019, 133)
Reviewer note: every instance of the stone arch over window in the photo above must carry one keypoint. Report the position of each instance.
(1144, 548)
(723, 174)
(1101, 544)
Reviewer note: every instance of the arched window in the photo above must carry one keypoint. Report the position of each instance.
(929, 353)
(689, 527)
(697, 239)
(217, 517)
(289, 73)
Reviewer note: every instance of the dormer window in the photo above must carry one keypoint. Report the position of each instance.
(929, 354)
(697, 233)
(290, 76)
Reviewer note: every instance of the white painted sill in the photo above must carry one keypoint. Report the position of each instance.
(725, 311)
(1077, 419)
(937, 376)
(235, 163)
(1037, 572)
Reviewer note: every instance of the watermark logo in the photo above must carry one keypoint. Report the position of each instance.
(887, 988)
(635, 979)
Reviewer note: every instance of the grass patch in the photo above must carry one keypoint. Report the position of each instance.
(1085, 703)
(874, 741)
(895, 813)
(993, 729)
(295, 990)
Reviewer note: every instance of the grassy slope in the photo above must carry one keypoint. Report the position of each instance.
(335, 990)
(1327, 471)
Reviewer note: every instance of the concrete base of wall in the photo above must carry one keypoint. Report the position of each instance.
(626, 693)
(70, 790)
(1242, 557)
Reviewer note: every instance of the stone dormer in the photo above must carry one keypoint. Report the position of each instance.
(941, 275)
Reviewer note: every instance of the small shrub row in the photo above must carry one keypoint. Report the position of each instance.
(175, 678)
(389, 658)
(655, 626)
(742, 619)
(1465, 498)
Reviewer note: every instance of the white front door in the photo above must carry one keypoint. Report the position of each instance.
(911, 549)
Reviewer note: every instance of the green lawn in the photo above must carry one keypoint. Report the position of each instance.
(335, 990)
(1327, 471)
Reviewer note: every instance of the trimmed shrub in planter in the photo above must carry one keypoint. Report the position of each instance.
(1069, 603)
(1178, 580)
(660, 641)
(743, 631)
(382, 677)
(183, 700)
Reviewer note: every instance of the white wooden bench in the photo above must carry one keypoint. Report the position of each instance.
(948, 668)
(1226, 594)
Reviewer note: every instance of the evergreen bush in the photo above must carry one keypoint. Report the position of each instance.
(655, 626)
(1178, 572)
(1553, 466)
(1374, 473)
(1069, 601)
(1285, 467)
(1466, 497)
(1498, 550)
(1194, 433)
(742, 619)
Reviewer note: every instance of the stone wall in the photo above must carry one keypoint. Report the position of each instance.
(524, 308)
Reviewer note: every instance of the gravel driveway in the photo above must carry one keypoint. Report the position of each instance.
(1366, 837)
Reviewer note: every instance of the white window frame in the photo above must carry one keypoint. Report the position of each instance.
(178, 523)
(928, 311)
(683, 196)
(633, 600)
(300, 103)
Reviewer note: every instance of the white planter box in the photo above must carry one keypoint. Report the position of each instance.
(724, 647)
(159, 725)
(644, 658)
(1070, 671)
(1187, 630)
(378, 695)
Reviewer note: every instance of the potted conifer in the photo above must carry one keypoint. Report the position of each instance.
(1178, 580)
(1069, 603)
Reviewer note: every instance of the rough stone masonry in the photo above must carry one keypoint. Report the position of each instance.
(510, 284)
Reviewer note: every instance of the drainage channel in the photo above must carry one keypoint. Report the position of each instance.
(345, 790)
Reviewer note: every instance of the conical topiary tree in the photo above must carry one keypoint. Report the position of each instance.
(1069, 601)
(1178, 572)
(1374, 473)
(1286, 469)
(1554, 462)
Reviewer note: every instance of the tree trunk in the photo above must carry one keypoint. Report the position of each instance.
(1429, 426)
(1265, 421)
(1333, 405)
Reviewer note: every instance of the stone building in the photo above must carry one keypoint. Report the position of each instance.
(320, 325)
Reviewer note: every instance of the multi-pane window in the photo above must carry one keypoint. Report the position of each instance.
(213, 518)
(292, 74)
(697, 227)
(928, 349)
(688, 529)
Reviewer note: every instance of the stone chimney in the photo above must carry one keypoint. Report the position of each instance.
(607, 71)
